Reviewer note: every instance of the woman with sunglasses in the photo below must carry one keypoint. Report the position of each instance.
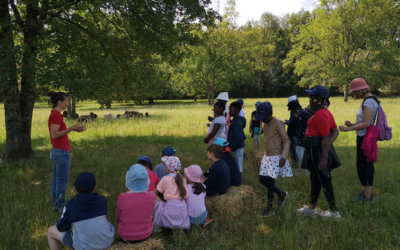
(320, 134)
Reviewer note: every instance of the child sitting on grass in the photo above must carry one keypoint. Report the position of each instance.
(229, 158)
(159, 170)
(217, 127)
(219, 176)
(146, 162)
(197, 193)
(173, 213)
(135, 223)
(87, 212)
(274, 162)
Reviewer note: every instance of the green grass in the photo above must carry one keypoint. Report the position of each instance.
(109, 148)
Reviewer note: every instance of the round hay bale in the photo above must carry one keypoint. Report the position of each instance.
(233, 203)
(258, 156)
(150, 244)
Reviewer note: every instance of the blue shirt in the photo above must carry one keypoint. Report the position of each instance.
(219, 178)
(160, 171)
(236, 178)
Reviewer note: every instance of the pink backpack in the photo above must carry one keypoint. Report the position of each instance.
(385, 132)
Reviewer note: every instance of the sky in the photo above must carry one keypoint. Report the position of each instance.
(253, 9)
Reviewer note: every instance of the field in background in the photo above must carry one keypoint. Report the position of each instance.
(109, 148)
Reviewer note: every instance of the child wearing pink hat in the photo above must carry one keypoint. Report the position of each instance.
(196, 199)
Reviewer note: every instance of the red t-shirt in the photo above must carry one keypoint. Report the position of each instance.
(321, 123)
(154, 180)
(62, 142)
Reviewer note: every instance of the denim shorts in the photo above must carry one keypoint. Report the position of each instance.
(198, 220)
(66, 239)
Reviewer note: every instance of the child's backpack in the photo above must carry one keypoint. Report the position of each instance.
(385, 132)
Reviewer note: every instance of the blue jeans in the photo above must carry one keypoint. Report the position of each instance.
(198, 220)
(61, 162)
(239, 158)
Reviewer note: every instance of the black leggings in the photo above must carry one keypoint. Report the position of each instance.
(365, 169)
(269, 182)
(319, 180)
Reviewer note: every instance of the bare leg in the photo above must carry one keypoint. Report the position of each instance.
(54, 238)
(367, 191)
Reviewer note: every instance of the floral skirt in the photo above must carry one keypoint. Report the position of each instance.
(171, 214)
(270, 167)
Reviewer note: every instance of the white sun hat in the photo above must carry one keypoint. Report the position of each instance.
(223, 96)
(292, 98)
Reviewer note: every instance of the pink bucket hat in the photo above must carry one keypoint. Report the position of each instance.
(194, 173)
(173, 163)
(358, 84)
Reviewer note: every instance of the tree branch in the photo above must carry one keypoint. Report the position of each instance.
(17, 14)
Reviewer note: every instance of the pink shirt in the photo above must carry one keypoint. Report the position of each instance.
(168, 187)
(195, 203)
(134, 215)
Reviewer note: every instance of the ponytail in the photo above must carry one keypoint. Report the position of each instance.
(180, 185)
(198, 188)
(55, 97)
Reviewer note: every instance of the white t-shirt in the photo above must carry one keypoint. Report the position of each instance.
(195, 203)
(221, 130)
(241, 113)
(372, 104)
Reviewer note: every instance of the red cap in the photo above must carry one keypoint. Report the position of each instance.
(358, 84)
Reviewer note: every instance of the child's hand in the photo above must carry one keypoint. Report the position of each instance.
(206, 140)
(208, 125)
(282, 162)
(348, 123)
(202, 179)
(210, 119)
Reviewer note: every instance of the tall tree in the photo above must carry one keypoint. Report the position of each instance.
(119, 27)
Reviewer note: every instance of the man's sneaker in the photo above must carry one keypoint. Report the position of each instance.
(330, 214)
(281, 200)
(157, 229)
(208, 221)
(268, 212)
(305, 210)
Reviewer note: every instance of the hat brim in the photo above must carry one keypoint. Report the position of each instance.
(359, 88)
(310, 92)
(260, 117)
(134, 187)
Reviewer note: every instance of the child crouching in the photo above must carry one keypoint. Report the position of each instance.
(197, 192)
(173, 213)
(87, 211)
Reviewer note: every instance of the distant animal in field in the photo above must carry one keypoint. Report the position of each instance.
(117, 116)
(108, 116)
(129, 114)
(87, 118)
(147, 114)
(65, 114)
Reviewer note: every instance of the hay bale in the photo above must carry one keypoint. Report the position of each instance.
(150, 244)
(108, 116)
(258, 156)
(232, 203)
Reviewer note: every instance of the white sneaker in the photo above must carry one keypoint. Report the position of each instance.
(330, 214)
(305, 210)
(157, 229)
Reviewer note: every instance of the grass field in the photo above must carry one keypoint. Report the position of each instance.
(109, 148)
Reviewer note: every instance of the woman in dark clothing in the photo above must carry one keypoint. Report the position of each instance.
(321, 133)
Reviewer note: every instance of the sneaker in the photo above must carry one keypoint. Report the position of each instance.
(359, 194)
(281, 200)
(330, 214)
(362, 198)
(305, 210)
(268, 212)
(208, 221)
(157, 229)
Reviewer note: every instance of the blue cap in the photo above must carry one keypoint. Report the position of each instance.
(169, 151)
(221, 141)
(240, 101)
(85, 182)
(319, 91)
(145, 158)
(263, 110)
(137, 178)
(257, 103)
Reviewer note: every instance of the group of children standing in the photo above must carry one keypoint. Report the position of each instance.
(154, 200)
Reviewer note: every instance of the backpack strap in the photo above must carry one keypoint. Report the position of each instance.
(370, 97)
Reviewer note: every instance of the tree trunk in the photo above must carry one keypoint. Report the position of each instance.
(18, 102)
(151, 100)
(108, 104)
(73, 106)
(346, 93)
(69, 111)
(208, 96)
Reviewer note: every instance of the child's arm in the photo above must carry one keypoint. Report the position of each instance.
(212, 133)
(235, 143)
(156, 191)
(251, 121)
(211, 180)
(280, 127)
(261, 126)
(64, 224)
